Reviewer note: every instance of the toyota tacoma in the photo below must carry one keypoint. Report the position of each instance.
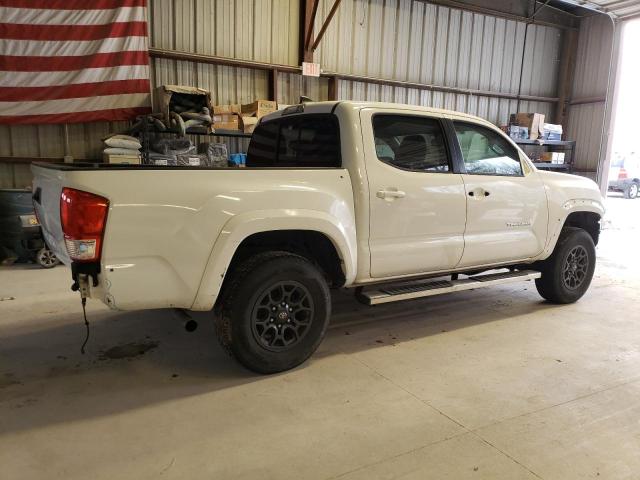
(395, 201)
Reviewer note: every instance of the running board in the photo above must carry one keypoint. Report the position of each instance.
(398, 292)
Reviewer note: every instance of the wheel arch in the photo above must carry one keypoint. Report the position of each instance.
(322, 239)
(313, 245)
(588, 221)
(581, 213)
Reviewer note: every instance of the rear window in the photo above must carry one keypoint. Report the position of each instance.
(297, 141)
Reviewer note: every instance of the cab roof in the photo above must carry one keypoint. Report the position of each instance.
(330, 106)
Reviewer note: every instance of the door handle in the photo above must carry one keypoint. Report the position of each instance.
(479, 192)
(390, 194)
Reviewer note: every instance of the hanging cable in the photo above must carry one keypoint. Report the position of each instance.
(86, 324)
(530, 20)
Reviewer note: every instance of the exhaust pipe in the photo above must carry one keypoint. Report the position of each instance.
(190, 325)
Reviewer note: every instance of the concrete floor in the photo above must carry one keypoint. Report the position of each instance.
(486, 384)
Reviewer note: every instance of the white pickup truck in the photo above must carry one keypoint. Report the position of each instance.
(396, 201)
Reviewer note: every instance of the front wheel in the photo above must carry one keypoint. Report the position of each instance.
(274, 312)
(46, 258)
(567, 273)
(631, 191)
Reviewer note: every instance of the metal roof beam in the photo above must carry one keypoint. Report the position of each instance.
(325, 25)
(497, 13)
(617, 3)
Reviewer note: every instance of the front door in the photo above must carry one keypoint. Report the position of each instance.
(507, 212)
(417, 204)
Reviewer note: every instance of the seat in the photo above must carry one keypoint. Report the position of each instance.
(411, 153)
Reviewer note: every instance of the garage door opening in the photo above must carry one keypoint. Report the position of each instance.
(624, 170)
(621, 224)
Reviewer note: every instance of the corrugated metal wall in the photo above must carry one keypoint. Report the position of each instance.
(394, 39)
(421, 42)
(585, 122)
(265, 31)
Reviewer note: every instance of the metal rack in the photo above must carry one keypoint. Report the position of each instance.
(555, 145)
(146, 132)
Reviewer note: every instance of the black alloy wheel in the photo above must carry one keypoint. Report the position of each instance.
(281, 315)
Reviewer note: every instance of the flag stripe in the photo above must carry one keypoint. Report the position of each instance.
(89, 75)
(15, 94)
(73, 4)
(25, 48)
(73, 17)
(72, 32)
(53, 64)
(109, 115)
(47, 107)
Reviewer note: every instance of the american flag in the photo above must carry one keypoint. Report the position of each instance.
(66, 61)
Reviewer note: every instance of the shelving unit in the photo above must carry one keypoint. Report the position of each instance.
(554, 145)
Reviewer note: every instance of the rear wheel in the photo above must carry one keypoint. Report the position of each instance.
(631, 190)
(274, 312)
(567, 273)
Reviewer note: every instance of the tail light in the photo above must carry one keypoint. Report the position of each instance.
(83, 216)
(622, 174)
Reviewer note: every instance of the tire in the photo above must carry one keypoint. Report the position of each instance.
(46, 258)
(567, 273)
(274, 312)
(631, 191)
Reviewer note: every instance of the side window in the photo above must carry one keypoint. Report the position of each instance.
(486, 152)
(298, 141)
(410, 143)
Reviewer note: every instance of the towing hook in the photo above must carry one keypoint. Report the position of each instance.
(190, 325)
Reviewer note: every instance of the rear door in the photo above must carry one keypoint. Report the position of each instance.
(417, 204)
(507, 211)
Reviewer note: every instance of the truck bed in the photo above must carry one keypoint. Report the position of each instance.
(164, 222)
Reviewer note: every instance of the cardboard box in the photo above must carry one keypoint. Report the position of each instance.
(259, 108)
(165, 99)
(552, 136)
(127, 159)
(248, 124)
(226, 121)
(518, 133)
(552, 131)
(546, 156)
(552, 127)
(533, 121)
(222, 109)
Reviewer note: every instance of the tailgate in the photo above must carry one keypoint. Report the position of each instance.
(47, 187)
